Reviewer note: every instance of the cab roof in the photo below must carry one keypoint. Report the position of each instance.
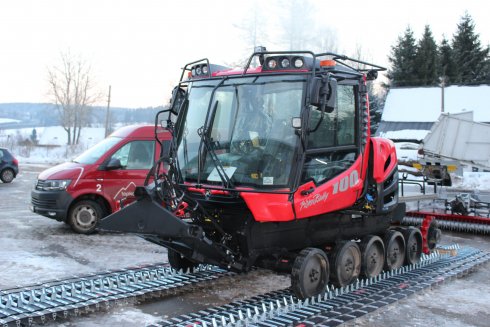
(285, 62)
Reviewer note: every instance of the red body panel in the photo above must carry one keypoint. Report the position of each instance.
(383, 151)
(338, 193)
(255, 70)
(269, 207)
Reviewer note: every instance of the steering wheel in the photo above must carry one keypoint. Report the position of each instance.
(243, 147)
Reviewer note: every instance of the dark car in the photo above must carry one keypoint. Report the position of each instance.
(9, 166)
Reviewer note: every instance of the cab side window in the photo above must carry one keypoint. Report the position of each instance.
(337, 129)
(136, 155)
(324, 166)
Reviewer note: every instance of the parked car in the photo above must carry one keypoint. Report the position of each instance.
(9, 166)
(91, 186)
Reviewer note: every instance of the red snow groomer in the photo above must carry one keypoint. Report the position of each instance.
(273, 165)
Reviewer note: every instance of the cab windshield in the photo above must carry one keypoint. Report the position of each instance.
(249, 130)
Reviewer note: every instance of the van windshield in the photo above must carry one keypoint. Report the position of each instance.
(94, 153)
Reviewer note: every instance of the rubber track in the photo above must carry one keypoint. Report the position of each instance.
(336, 306)
(76, 295)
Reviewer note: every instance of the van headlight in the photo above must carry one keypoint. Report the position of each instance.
(55, 184)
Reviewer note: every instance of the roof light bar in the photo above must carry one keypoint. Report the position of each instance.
(201, 70)
(284, 63)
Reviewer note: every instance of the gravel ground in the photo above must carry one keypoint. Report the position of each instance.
(34, 248)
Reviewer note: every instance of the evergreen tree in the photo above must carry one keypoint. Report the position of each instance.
(472, 60)
(426, 59)
(375, 112)
(447, 67)
(402, 59)
(33, 136)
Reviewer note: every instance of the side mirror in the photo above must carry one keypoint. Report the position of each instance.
(178, 97)
(113, 164)
(324, 93)
(316, 84)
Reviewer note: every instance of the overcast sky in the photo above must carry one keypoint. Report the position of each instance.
(139, 46)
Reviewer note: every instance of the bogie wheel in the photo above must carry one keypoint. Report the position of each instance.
(394, 250)
(7, 175)
(310, 273)
(85, 215)
(345, 264)
(179, 262)
(413, 245)
(373, 256)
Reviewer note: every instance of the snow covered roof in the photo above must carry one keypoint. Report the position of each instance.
(405, 134)
(423, 104)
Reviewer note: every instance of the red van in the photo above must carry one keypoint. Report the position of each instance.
(88, 188)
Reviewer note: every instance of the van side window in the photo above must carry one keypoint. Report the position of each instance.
(136, 155)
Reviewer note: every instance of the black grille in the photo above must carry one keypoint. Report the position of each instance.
(44, 203)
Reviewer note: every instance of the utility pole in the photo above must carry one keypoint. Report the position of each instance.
(443, 84)
(107, 113)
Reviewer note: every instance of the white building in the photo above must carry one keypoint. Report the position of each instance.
(410, 112)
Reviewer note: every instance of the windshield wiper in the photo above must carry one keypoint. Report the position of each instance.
(204, 134)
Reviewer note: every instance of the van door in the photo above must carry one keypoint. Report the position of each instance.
(136, 159)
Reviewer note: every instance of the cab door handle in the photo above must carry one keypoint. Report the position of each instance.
(308, 191)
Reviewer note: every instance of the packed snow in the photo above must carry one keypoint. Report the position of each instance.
(8, 120)
(476, 181)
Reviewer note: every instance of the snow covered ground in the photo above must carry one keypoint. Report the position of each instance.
(34, 248)
(52, 141)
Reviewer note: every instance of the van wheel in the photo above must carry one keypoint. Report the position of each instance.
(7, 175)
(85, 215)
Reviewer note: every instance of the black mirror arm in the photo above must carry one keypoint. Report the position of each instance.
(320, 120)
(323, 102)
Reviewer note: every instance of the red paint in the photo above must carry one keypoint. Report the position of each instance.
(328, 197)
(383, 150)
(269, 207)
(255, 70)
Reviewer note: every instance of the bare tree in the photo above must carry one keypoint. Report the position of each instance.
(296, 23)
(325, 39)
(71, 88)
(253, 30)
(301, 31)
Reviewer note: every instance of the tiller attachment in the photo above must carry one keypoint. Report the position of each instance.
(147, 218)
